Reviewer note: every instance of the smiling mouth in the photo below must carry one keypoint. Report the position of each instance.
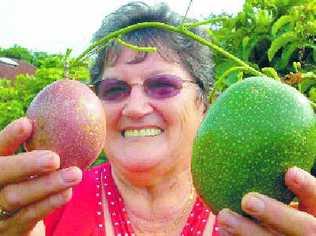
(147, 132)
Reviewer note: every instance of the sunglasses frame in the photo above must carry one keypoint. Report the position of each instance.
(93, 86)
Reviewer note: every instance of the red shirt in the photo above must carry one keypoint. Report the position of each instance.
(84, 216)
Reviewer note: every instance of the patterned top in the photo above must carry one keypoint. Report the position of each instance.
(84, 215)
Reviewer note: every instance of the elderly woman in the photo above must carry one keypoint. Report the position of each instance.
(154, 104)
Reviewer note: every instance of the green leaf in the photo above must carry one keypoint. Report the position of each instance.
(271, 72)
(263, 20)
(229, 77)
(312, 94)
(287, 52)
(280, 42)
(311, 26)
(309, 80)
(309, 75)
(283, 20)
(251, 44)
(313, 47)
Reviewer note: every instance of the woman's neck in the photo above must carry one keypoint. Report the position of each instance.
(161, 206)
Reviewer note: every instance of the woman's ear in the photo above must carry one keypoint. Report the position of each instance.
(206, 106)
(205, 109)
(202, 106)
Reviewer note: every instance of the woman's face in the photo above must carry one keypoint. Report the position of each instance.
(145, 133)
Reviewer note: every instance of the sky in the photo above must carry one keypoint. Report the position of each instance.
(55, 25)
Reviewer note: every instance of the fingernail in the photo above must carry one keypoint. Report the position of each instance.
(71, 175)
(298, 177)
(48, 161)
(253, 203)
(228, 221)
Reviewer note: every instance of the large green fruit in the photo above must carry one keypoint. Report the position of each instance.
(251, 135)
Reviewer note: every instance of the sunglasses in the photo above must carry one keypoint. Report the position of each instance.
(157, 87)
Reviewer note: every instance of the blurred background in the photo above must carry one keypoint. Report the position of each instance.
(274, 37)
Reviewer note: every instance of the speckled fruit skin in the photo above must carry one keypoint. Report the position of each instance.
(68, 119)
(251, 135)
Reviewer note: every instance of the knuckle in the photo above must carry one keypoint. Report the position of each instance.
(65, 195)
(52, 157)
(49, 181)
(60, 198)
(23, 129)
(30, 214)
(10, 198)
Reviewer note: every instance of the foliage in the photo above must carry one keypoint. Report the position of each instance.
(276, 35)
(276, 38)
(101, 158)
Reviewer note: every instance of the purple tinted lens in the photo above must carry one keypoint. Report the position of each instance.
(163, 86)
(113, 90)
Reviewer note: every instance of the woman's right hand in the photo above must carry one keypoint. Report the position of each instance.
(31, 183)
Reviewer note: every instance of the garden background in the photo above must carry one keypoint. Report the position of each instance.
(277, 37)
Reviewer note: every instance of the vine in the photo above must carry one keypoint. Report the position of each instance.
(181, 29)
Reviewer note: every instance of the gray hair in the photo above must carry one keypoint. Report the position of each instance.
(195, 57)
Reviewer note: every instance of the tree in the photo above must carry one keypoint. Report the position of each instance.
(17, 52)
(278, 35)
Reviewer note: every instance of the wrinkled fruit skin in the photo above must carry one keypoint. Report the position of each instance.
(251, 135)
(68, 119)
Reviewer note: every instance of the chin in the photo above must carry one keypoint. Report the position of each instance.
(137, 156)
(139, 164)
(142, 173)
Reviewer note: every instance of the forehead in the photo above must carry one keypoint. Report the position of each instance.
(129, 59)
(129, 56)
(115, 51)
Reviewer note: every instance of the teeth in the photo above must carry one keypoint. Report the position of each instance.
(141, 132)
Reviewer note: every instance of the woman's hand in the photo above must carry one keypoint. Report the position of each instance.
(275, 217)
(31, 186)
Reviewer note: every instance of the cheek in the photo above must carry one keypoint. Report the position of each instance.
(112, 117)
(185, 116)
(189, 121)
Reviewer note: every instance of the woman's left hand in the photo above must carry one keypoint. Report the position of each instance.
(275, 217)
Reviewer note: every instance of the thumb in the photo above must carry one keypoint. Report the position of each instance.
(303, 184)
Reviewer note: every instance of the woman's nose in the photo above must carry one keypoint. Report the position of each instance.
(137, 104)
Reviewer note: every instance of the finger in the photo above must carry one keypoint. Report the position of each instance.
(15, 134)
(279, 216)
(230, 223)
(19, 167)
(19, 195)
(27, 218)
(303, 184)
